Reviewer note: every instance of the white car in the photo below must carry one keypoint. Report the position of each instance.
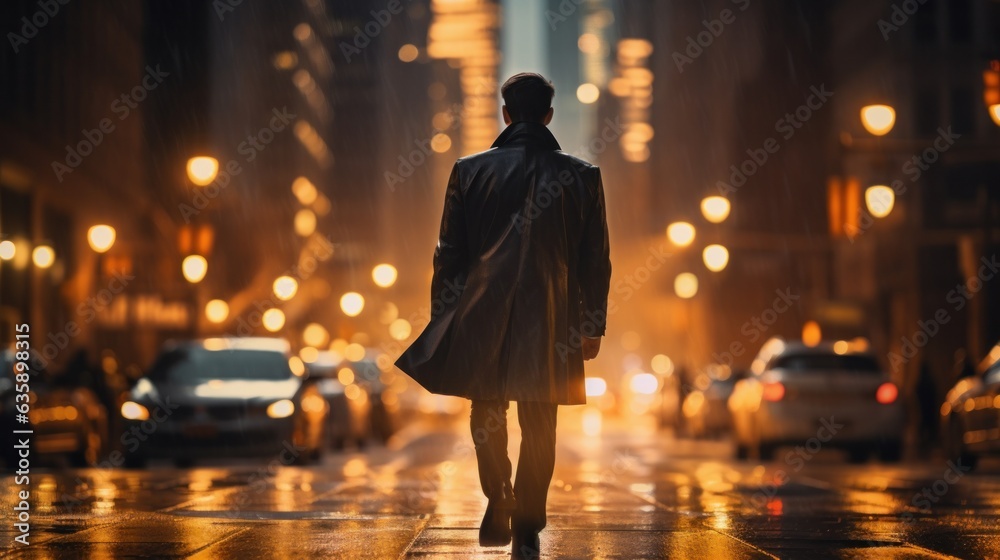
(828, 395)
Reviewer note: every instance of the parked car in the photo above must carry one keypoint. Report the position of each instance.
(705, 406)
(384, 410)
(833, 392)
(350, 406)
(224, 397)
(970, 415)
(68, 420)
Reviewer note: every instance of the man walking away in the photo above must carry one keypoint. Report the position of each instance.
(519, 301)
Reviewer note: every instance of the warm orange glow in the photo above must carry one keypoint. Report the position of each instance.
(194, 268)
(201, 170)
(995, 113)
(686, 285)
(887, 393)
(715, 208)
(811, 333)
(716, 257)
(772, 392)
(680, 234)
(879, 199)
(101, 238)
(216, 311)
(878, 119)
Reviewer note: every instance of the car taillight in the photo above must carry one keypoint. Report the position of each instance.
(773, 392)
(887, 393)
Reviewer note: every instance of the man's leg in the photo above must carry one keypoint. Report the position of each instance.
(535, 465)
(489, 433)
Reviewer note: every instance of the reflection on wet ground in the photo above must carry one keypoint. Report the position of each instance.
(632, 492)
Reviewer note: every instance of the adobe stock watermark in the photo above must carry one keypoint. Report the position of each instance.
(958, 297)
(786, 126)
(122, 107)
(302, 271)
(699, 43)
(365, 34)
(249, 149)
(913, 168)
(626, 288)
(755, 327)
(47, 9)
(87, 311)
(552, 191)
(565, 10)
(899, 16)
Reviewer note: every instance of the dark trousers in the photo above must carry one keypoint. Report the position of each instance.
(535, 465)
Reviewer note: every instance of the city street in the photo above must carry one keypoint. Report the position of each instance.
(632, 492)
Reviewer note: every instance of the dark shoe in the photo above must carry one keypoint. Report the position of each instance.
(526, 546)
(495, 529)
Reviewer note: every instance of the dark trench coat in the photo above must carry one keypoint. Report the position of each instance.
(521, 272)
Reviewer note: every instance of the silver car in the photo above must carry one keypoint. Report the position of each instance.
(828, 395)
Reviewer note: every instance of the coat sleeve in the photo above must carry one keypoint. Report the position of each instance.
(451, 257)
(595, 261)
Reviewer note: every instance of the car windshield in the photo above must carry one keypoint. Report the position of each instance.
(826, 362)
(194, 366)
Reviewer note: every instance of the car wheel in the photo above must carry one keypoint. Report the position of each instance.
(891, 452)
(956, 446)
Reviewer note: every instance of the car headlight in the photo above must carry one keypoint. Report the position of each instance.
(132, 410)
(281, 409)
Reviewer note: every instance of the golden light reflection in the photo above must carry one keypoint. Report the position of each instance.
(878, 119)
(592, 421)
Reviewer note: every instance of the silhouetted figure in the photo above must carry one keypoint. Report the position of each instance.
(929, 404)
(519, 301)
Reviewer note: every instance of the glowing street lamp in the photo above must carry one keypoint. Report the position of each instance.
(879, 199)
(285, 287)
(202, 170)
(686, 285)
(680, 234)
(315, 334)
(7, 250)
(995, 113)
(43, 256)
(812, 334)
(715, 208)
(716, 257)
(273, 320)
(878, 119)
(194, 268)
(384, 275)
(101, 238)
(216, 311)
(352, 303)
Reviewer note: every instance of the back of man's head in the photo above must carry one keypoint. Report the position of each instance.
(528, 96)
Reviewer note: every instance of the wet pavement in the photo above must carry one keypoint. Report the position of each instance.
(630, 492)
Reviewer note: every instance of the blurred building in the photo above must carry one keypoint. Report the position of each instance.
(73, 95)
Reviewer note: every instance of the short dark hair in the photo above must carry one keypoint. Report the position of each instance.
(528, 96)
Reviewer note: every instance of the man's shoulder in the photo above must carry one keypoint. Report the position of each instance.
(577, 162)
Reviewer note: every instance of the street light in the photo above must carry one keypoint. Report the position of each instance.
(202, 170)
(878, 119)
(194, 268)
(305, 222)
(686, 285)
(680, 234)
(384, 275)
(7, 250)
(43, 256)
(880, 200)
(216, 311)
(995, 113)
(101, 238)
(715, 208)
(273, 319)
(352, 303)
(400, 329)
(812, 334)
(587, 93)
(285, 287)
(315, 334)
(716, 257)
(305, 191)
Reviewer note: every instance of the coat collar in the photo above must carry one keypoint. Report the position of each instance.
(527, 133)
